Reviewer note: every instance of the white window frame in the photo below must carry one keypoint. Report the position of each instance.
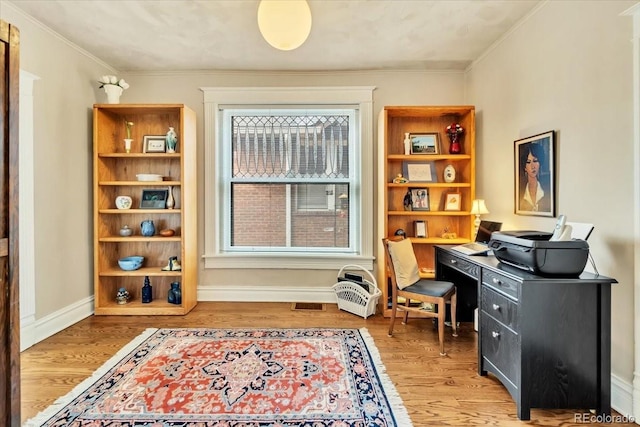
(225, 154)
(215, 98)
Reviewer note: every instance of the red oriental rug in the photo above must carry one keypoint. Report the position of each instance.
(234, 378)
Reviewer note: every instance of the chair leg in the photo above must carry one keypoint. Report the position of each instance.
(442, 312)
(406, 312)
(394, 309)
(454, 304)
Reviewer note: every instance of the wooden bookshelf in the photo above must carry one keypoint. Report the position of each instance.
(114, 174)
(394, 123)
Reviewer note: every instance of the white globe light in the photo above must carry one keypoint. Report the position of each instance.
(284, 24)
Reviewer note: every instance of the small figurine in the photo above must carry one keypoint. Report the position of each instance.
(446, 234)
(122, 297)
(399, 179)
(407, 144)
(408, 201)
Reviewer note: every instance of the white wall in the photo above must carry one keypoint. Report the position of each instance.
(568, 68)
(63, 96)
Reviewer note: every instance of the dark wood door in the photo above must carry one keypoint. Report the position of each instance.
(9, 295)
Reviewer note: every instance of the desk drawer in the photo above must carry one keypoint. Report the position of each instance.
(500, 307)
(500, 283)
(460, 264)
(501, 347)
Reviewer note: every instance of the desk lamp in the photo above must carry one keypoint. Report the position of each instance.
(478, 208)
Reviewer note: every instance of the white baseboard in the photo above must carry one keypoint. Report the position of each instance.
(260, 294)
(27, 332)
(37, 331)
(622, 397)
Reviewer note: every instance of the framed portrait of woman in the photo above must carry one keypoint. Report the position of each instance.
(535, 177)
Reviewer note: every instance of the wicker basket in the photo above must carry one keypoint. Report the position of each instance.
(353, 297)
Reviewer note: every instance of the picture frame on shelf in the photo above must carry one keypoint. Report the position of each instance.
(453, 202)
(425, 143)
(154, 144)
(420, 199)
(420, 229)
(154, 198)
(416, 171)
(535, 175)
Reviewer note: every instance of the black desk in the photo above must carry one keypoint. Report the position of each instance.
(548, 340)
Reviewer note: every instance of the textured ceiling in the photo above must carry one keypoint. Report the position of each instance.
(165, 35)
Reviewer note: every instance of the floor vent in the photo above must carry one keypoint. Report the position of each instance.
(310, 306)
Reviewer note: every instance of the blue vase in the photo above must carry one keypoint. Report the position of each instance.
(175, 294)
(147, 228)
(147, 291)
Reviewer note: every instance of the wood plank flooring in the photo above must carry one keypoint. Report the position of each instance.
(437, 391)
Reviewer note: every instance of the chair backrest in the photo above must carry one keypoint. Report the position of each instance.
(402, 262)
(392, 271)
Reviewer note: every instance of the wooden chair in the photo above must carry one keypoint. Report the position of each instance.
(406, 283)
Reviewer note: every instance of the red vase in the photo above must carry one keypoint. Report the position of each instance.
(454, 147)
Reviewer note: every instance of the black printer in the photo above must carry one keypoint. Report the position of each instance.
(534, 252)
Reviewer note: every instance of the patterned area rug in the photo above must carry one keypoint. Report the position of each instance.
(234, 378)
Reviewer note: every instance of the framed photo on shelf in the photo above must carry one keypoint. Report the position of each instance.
(535, 175)
(425, 143)
(453, 202)
(420, 199)
(154, 144)
(420, 228)
(154, 199)
(419, 171)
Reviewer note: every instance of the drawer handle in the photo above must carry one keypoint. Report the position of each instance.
(496, 281)
(495, 334)
(496, 307)
(453, 261)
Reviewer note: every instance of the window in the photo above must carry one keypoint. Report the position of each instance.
(288, 180)
(279, 178)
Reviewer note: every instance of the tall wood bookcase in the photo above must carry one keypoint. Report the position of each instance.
(393, 123)
(114, 174)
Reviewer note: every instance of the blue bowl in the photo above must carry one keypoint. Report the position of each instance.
(131, 262)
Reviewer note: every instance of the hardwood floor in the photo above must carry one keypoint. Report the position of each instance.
(436, 390)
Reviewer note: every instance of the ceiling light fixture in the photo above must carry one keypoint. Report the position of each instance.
(284, 24)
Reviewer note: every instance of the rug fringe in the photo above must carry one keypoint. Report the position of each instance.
(61, 402)
(399, 410)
